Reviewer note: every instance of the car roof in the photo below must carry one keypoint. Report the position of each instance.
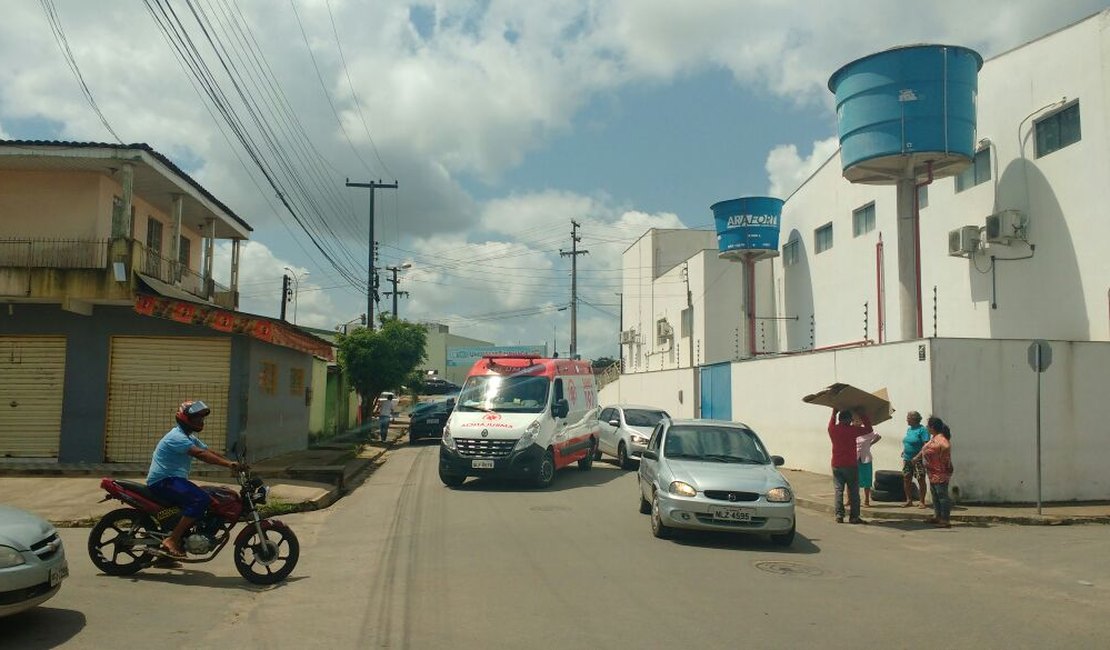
(634, 406)
(709, 422)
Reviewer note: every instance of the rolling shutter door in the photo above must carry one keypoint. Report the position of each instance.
(32, 374)
(148, 380)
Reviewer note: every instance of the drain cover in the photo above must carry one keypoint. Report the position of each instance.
(789, 568)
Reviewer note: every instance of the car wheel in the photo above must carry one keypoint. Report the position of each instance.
(545, 471)
(622, 457)
(597, 452)
(658, 528)
(587, 461)
(784, 539)
(451, 480)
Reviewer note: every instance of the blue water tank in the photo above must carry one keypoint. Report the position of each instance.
(907, 109)
(748, 227)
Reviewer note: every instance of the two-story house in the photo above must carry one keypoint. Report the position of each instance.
(110, 315)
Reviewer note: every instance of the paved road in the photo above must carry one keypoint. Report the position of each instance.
(406, 563)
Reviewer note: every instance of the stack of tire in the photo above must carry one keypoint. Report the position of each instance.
(888, 487)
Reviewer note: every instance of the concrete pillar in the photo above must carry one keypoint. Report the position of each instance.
(235, 273)
(907, 260)
(175, 236)
(209, 249)
(122, 226)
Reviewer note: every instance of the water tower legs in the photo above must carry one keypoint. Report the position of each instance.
(909, 281)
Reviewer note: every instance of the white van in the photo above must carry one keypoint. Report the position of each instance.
(521, 416)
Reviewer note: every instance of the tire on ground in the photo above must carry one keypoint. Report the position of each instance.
(888, 480)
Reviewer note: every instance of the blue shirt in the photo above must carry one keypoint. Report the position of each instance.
(171, 455)
(915, 439)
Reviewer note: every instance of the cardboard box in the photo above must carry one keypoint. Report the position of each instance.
(847, 397)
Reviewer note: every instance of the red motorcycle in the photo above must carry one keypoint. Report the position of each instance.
(129, 539)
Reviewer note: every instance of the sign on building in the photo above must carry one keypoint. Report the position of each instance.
(467, 356)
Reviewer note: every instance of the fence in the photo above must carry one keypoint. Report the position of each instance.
(54, 253)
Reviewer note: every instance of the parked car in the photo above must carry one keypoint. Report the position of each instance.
(714, 475)
(438, 386)
(429, 421)
(32, 560)
(624, 431)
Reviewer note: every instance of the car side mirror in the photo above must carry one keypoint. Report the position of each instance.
(560, 409)
(778, 461)
(651, 455)
(614, 423)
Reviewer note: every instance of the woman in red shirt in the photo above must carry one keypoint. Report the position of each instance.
(937, 455)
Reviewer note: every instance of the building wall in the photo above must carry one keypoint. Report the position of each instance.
(439, 339)
(52, 205)
(671, 390)
(318, 397)
(277, 417)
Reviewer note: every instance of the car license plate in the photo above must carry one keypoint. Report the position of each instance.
(431, 421)
(733, 514)
(57, 574)
(481, 464)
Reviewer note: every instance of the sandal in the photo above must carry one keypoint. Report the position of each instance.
(170, 551)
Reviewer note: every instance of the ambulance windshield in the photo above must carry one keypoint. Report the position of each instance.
(513, 394)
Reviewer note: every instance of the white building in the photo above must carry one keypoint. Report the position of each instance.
(1030, 267)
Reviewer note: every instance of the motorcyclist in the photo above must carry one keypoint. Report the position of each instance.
(168, 477)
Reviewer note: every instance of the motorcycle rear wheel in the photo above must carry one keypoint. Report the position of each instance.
(269, 560)
(111, 542)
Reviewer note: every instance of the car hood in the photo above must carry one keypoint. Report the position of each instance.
(643, 431)
(727, 476)
(20, 529)
(495, 425)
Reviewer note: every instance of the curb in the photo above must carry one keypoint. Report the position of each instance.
(1018, 520)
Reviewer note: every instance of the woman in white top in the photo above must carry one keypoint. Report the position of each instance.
(863, 462)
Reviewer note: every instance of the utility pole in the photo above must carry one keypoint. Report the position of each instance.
(573, 254)
(371, 274)
(394, 270)
(284, 294)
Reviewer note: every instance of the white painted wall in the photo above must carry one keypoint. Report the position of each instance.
(671, 390)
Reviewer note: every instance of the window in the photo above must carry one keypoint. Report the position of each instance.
(185, 252)
(296, 381)
(823, 238)
(790, 253)
(267, 378)
(154, 235)
(979, 171)
(863, 221)
(1057, 130)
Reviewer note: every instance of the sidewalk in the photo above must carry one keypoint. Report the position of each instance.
(815, 492)
(70, 495)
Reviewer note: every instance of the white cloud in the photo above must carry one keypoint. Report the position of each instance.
(786, 170)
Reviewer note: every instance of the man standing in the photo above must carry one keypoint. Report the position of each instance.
(385, 413)
(843, 433)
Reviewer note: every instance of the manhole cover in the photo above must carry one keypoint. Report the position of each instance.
(789, 569)
(549, 508)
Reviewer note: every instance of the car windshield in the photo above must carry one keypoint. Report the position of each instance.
(714, 444)
(643, 417)
(514, 394)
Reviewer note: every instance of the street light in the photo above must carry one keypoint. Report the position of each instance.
(296, 289)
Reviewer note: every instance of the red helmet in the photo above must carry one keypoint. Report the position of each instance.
(191, 414)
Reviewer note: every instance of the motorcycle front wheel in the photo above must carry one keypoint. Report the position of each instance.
(112, 542)
(268, 559)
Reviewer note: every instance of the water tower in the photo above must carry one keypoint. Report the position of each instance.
(748, 231)
(906, 116)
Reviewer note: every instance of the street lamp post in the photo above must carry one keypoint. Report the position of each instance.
(296, 289)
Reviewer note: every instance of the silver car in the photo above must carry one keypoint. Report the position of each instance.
(32, 560)
(714, 475)
(624, 431)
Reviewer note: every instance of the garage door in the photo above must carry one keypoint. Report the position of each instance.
(32, 373)
(148, 379)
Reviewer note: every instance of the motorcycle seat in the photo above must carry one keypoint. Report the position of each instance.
(139, 488)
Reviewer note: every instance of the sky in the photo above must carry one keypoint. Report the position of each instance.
(500, 121)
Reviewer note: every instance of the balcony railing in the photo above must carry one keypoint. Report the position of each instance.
(53, 253)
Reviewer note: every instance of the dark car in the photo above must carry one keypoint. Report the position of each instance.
(428, 422)
(437, 386)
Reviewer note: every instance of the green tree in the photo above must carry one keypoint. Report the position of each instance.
(377, 360)
(601, 363)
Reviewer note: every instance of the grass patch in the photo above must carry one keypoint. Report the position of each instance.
(278, 507)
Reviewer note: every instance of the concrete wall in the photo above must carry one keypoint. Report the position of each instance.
(671, 390)
(318, 387)
(986, 392)
(277, 422)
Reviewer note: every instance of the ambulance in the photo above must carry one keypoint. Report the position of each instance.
(521, 416)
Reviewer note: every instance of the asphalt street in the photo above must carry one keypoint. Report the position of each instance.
(405, 563)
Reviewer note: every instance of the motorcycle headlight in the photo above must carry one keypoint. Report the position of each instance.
(682, 489)
(779, 495)
(262, 494)
(528, 437)
(10, 557)
(447, 440)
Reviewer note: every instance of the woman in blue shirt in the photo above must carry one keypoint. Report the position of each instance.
(916, 437)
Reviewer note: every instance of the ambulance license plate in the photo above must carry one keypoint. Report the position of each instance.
(481, 464)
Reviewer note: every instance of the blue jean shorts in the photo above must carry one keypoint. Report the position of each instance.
(182, 492)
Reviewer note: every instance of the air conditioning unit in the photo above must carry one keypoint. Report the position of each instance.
(663, 330)
(964, 241)
(1005, 226)
(628, 337)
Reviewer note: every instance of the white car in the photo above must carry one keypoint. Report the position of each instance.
(32, 560)
(714, 475)
(624, 431)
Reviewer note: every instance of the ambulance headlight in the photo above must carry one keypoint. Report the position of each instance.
(529, 436)
(447, 440)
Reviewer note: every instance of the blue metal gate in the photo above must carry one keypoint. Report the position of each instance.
(716, 391)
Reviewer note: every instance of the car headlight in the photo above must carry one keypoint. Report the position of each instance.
(448, 441)
(637, 439)
(779, 495)
(682, 489)
(528, 437)
(10, 557)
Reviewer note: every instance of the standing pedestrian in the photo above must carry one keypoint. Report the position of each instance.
(843, 434)
(865, 464)
(937, 457)
(385, 413)
(916, 437)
